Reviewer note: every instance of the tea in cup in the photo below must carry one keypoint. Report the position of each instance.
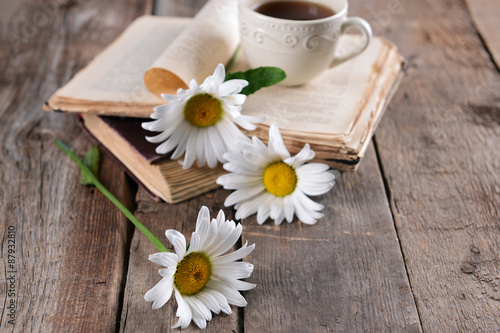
(299, 36)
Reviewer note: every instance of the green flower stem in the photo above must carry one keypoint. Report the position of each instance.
(111, 197)
(231, 62)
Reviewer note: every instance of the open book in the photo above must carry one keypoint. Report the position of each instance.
(336, 113)
(153, 55)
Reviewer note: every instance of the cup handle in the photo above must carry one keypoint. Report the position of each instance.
(365, 29)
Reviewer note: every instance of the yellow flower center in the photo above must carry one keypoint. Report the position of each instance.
(203, 110)
(280, 179)
(193, 273)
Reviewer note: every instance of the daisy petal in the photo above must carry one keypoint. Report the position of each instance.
(241, 285)
(194, 243)
(190, 156)
(232, 88)
(315, 188)
(232, 295)
(251, 206)
(236, 255)
(312, 168)
(233, 181)
(181, 148)
(217, 144)
(209, 300)
(305, 215)
(178, 241)
(203, 223)
(183, 311)
(263, 212)
(201, 314)
(166, 259)
(210, 154)
(243, 195)
(221, 300)
(276, 207)
(219, 74)
(280, 217)
(276, 144)
(308, 202)
(200, 148)
(160, 293)
(227, 243)
(169, 98)
(167, 272)
(305, 155)
(288, 208)
(236, 270)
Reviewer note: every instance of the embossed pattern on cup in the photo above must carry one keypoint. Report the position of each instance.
(288, 38)
(302, 48)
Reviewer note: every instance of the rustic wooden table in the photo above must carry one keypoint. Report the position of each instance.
(410, 242)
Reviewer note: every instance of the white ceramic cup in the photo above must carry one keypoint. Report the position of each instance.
(303, 49)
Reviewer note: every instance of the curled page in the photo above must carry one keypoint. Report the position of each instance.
(210, 39)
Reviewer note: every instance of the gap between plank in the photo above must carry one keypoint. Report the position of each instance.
(130, 191)
(133, 188)
(393, 206)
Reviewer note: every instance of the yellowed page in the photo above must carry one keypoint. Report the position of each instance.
(329, 105)
(116, 74)
(210, 39)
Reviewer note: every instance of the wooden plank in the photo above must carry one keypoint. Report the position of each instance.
(438, 145)
(486, 14)
(346, 273)
(70, 242)
(137, 315)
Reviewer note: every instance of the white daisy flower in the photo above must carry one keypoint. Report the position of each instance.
(200, 121)
(271, 183)
(201, 277)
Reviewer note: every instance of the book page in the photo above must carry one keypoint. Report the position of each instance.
(116, 74)
(329, 104)
(211, 39)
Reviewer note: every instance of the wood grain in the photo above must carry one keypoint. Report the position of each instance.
(70, 241)
(345, 274)
(354, 291)
(356, 267)
(485, 14)
(137, 315)
(183, 8)
(438, 145)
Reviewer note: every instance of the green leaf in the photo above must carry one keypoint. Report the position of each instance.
(91, 160)
(258, 78)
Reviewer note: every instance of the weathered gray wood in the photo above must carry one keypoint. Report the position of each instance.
(137, 315)
(345, 274)
(438, 144)
(187, 8)
(485, 14)
(70, 242)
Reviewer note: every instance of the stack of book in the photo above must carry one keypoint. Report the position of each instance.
(336, 113)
